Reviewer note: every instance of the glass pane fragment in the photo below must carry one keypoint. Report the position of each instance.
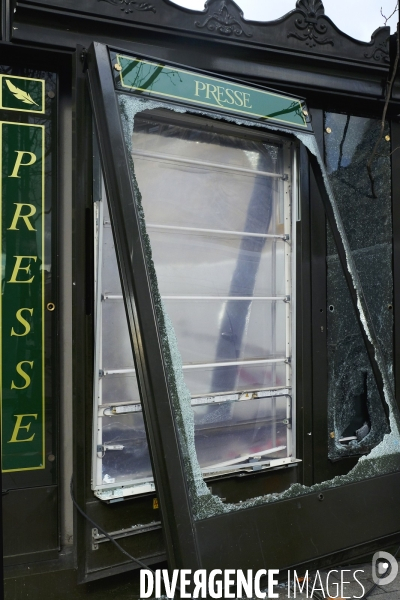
(355, 408)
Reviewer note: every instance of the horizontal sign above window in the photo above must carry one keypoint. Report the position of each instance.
(151, 79)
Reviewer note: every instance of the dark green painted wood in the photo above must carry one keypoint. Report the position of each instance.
(302, 529)
(22, 305)
(62, 585)
(30, 501)
(30, 524)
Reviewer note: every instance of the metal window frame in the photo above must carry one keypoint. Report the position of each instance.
(160, 425)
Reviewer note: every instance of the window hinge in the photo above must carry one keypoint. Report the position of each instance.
(286, 299)
(288, 422)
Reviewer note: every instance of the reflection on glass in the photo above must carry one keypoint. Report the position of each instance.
(125, 455)
(119, 388)
(192, 263)
(197, 322)
(355, 410)
(241, 378)
(228, 433)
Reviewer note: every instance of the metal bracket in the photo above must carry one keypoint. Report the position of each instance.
(254, 463)
(104, 447)
(100, 538)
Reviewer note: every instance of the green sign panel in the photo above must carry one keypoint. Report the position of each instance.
(22, 298)
(23, 94)
(156, 80)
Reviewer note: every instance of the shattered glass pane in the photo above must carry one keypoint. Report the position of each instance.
(384, 458)
(356, 414)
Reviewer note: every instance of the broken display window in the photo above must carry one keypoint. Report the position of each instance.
(171, 408)
(216, 410)
(218, 214)
(357, 421)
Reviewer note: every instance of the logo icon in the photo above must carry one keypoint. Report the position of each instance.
(24, 94)
(384, 568)
(20, 94)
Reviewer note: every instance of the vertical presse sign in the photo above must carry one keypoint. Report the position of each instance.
(22, 296)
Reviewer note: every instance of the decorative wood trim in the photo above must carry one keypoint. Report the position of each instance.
(224, 22)
(310, 25)
(129, 6)
(305, 31)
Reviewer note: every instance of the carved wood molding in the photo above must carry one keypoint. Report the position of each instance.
(225, 22)
(314, 29)
(311, 29)
(306, 30)
(129, 6)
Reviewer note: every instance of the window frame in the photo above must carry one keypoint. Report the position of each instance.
(289, 201)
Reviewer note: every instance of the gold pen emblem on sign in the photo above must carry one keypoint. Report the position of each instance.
(20, 94)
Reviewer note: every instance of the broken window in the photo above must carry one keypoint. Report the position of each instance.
(221, 373)
(218, 207)
(357, 421)
(232, 381)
